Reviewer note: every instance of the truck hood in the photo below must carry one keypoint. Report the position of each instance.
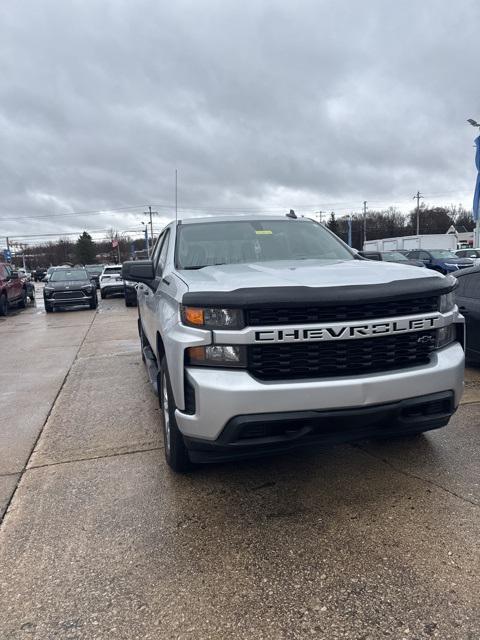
(308, 273)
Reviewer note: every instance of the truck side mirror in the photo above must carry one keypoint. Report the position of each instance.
(139, 271)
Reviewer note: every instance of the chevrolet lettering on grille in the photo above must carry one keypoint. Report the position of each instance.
(347, 332)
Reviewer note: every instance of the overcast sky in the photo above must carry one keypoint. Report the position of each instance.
(260, 104)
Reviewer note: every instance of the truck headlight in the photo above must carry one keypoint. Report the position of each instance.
(445, 335)
(48, 291)
(217, 356)
(447, 302)
(212, 318)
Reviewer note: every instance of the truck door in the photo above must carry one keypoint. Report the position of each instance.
(150, 295)
(468, 300)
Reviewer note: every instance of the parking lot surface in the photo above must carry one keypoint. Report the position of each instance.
(101, 540)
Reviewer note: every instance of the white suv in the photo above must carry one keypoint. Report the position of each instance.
(111, 280)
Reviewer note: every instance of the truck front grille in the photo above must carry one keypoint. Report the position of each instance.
(257, 317)
(339, 357)
(68, 295)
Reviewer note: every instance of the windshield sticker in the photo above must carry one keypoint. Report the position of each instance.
(263, 232)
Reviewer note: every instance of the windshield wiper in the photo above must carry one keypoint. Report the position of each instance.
(202, 266)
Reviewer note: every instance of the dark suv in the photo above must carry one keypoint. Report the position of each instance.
(94, 271)
(69, 287)
(12, 289)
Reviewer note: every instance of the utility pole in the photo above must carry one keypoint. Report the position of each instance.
(151, 213)
(320, 216)
(349, 220)
(364, 221)
(146, 238)
(417, 197)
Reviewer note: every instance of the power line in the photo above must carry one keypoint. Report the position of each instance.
(215, 208)
(75, 213)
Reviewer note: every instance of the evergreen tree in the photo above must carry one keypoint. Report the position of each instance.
(85, 249)
(333, 225)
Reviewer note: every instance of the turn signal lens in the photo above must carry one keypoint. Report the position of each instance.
(196, 354)
(217, 356)
(193, 315)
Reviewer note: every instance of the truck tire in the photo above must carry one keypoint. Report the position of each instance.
(23, 301)
(102, 295)
(3, 305)
(48, 308)
(176, 453)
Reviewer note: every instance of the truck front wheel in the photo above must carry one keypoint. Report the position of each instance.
(176, 453)
(3, 305)
(23, 300)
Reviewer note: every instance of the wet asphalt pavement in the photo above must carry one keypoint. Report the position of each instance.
(100, 540)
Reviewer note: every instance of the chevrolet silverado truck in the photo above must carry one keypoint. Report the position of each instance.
(262, 334)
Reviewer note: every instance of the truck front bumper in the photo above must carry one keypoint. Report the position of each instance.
(377, 402)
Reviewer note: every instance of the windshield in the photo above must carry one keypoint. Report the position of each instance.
(113, 270)
(62, 275)
(394, 256)
(443, 253)
(236, 242)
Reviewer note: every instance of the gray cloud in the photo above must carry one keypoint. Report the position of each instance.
(266, 104)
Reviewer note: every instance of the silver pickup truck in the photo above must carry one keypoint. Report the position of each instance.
(262, 334)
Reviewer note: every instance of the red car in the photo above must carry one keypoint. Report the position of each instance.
(12, 289)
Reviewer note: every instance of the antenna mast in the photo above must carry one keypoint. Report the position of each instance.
(176, 195)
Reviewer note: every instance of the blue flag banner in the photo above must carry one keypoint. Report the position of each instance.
(476, 197)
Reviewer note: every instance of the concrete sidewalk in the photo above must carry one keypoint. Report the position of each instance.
(101, 540)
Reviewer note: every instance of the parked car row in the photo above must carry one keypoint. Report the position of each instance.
(64, 286)
(441, 260)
